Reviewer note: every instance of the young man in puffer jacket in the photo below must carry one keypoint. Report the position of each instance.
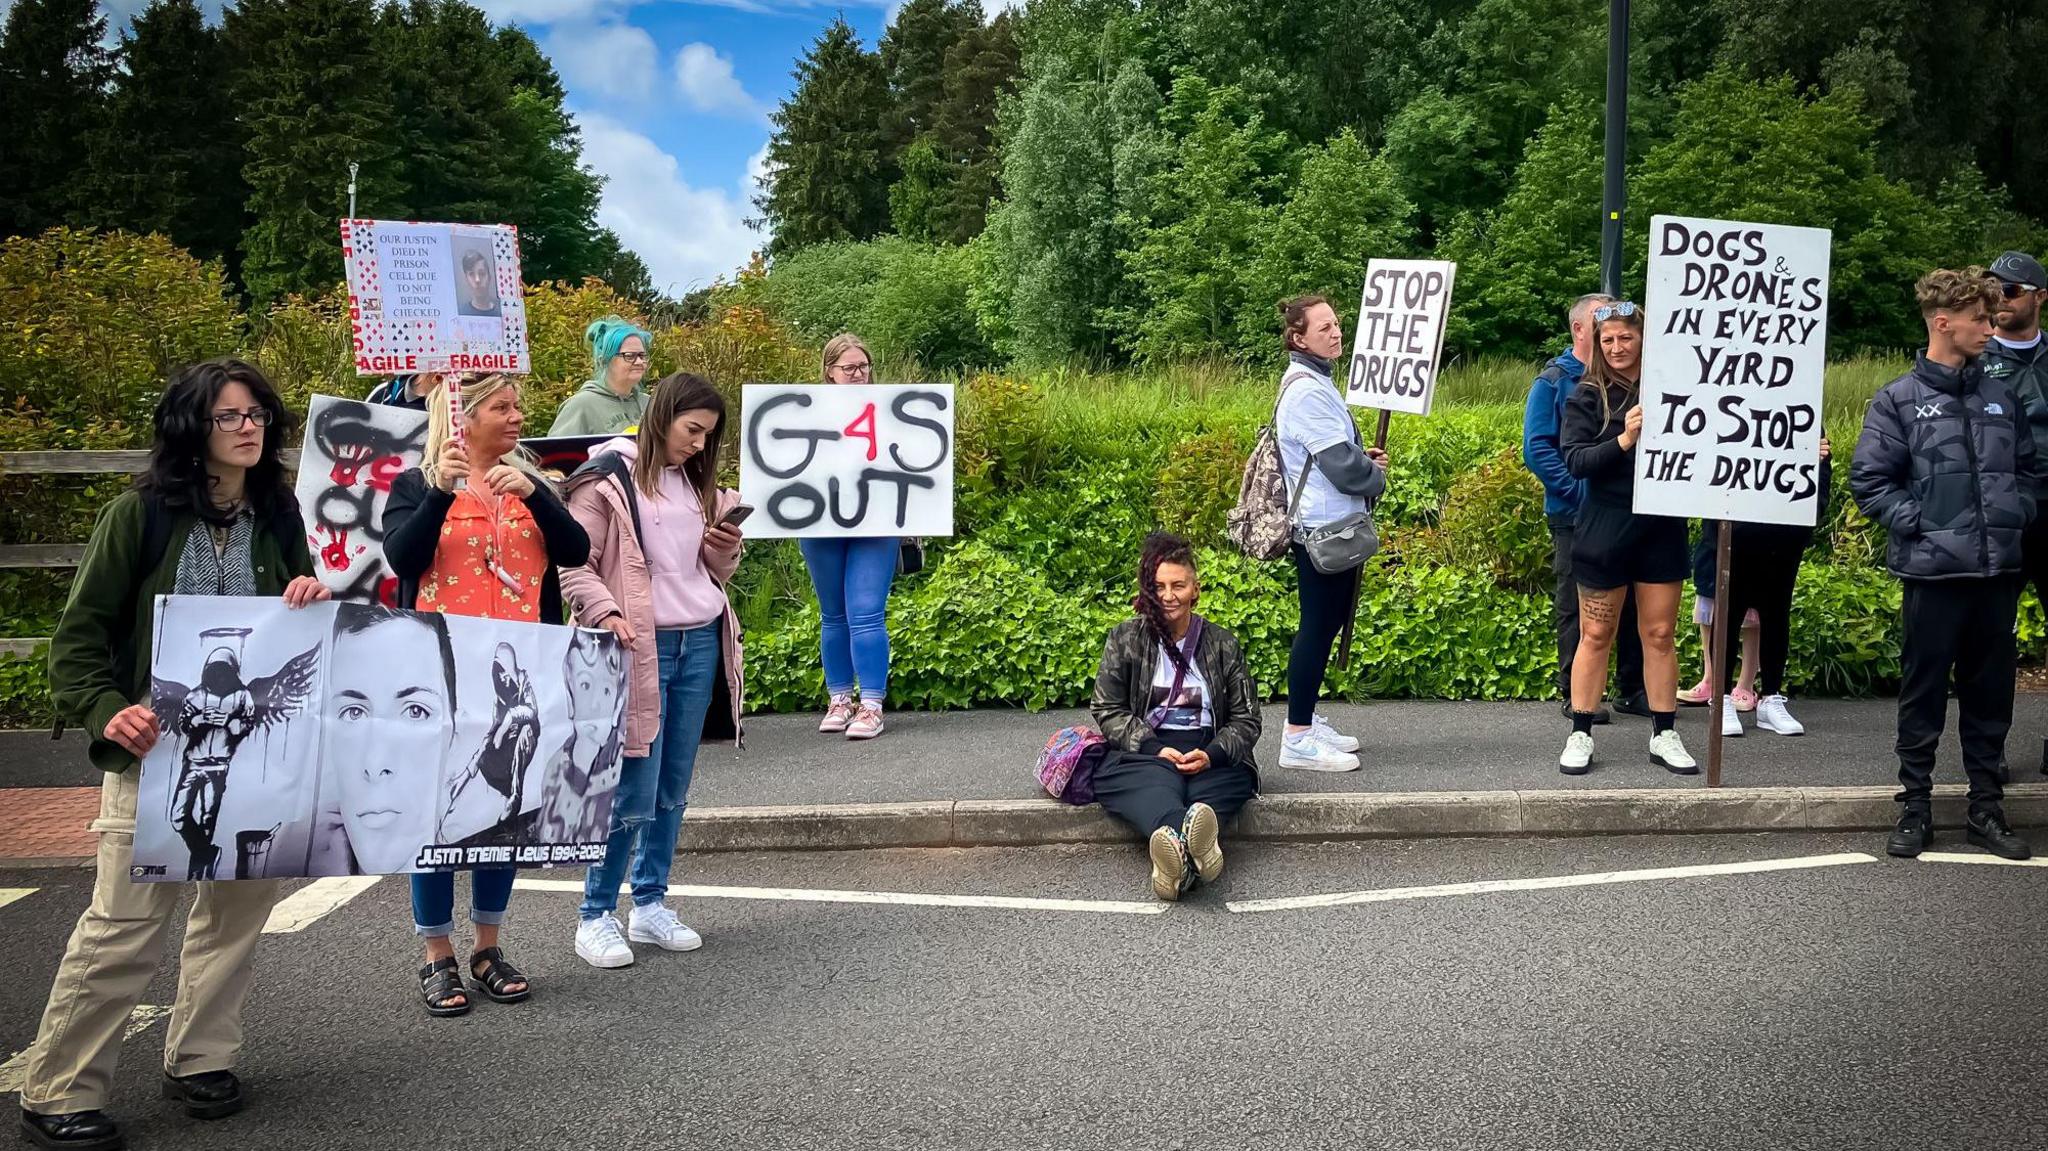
(1945, 463)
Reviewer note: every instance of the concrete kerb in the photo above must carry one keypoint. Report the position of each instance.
(1341, 816)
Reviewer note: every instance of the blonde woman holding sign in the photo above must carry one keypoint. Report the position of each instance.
(1331, 476)
(852, 578)
(1615, 550)
(473, 531)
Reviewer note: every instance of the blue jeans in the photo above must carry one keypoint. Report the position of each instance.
(852, 579)
(654, 788)
(433, 899)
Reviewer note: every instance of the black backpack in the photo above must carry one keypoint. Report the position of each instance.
(614, 465)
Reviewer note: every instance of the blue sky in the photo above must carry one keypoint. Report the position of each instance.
(673, 98)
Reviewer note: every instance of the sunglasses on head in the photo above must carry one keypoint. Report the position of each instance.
(1606, 312)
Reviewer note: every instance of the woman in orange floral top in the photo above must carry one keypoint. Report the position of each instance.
(474, 531)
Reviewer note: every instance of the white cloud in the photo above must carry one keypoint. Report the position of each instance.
(615, 60)
(688, 236)
(705, 80)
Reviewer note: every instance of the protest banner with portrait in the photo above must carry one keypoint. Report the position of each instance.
(847, 460)
(1397, 347)
(356, 739)
(1734, 358)
(428, 297)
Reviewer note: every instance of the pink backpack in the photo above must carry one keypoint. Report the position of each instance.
(1066, 768)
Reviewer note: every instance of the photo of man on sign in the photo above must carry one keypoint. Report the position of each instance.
(848, 460)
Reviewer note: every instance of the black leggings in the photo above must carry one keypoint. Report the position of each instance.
(1326, 602)
(1761, 579)
(1149, 793)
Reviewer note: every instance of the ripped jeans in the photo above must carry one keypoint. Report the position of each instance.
(654, 788)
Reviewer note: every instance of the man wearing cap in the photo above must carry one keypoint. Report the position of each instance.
(2015, 356)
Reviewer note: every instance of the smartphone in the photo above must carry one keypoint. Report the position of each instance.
(737, 516)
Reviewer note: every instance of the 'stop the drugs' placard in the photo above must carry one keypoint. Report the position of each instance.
(434, 297)
(1735, 349)
(1397, 351)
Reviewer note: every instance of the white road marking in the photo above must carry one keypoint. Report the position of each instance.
(893, 898)
(15, 1070)
(1965, 857)
(304, 907)
(1545, 883)
(14, 894)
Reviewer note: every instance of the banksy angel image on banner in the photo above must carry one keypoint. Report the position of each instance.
(230, 725)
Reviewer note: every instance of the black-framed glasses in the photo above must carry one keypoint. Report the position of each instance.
(859, 369)
(236, 421)
(1606, 312)
(634, 357)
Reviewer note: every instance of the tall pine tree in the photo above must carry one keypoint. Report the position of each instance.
(314, 95)
(981, 70)
(171, 160)
(53, 78)
(828, 161)
(552, 197)
(914, 54)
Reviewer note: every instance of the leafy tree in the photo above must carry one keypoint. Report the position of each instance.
(171, 161)
(54, 71)
(1346, 208)
(914, 200)
(828, 160)
(914, 49)
(313, 96)
(1205, 215)
(623, 272)
(1520, 265)
(1053, 261)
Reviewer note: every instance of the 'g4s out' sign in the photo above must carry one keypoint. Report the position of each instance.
(847, 459)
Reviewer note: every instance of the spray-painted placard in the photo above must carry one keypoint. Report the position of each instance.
(847, 459)
(1397, 350)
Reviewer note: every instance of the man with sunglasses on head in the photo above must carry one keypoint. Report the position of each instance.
(2015, 357)
(1563, 496)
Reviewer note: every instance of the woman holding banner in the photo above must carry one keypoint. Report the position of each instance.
(1331, 475)
(210, 515)
(663, 543)
(474, 531)
(1614, 549)
(1176, 703)
(852, 578)
(612, 400)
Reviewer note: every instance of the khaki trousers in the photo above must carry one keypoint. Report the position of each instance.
(113, 955)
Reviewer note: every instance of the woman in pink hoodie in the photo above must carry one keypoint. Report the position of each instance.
(663, 543)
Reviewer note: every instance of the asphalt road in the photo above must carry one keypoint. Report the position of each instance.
(1410, 747)
(1875, 1004)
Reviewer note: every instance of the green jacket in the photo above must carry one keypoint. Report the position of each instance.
(596, 410)
(99, 658)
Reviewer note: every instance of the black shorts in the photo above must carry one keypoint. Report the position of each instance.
(1614, 547)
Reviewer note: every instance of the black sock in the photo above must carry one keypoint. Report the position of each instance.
(1582, 721)
(1662, 721)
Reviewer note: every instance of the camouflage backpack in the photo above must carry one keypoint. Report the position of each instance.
(1260, 523)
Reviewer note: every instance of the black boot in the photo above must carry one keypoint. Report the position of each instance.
(1913, 834)
(1635, 703)
(207, 1095)
(78, 1131)
(1988, 830)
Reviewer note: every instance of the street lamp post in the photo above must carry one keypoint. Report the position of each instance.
(1615, 191)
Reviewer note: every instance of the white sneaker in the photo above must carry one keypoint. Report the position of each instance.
(656, 924)
(599, 943)
(1731, 720)
(1331, 736)
(1668, 752)
(1773, 715)
(1308, 751)
(1578, 754)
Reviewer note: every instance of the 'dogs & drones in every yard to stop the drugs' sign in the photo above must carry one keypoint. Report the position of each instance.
(1734, 355)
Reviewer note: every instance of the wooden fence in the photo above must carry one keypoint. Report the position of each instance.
(67, 555)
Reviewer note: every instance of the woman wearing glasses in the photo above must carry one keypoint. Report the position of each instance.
(852, 578)
(1614, 549)
(211, 515)
(612, 400)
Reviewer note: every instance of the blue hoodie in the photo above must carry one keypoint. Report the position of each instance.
(1562, 492)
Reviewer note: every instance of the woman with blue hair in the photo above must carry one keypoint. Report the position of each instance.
(612, 400)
